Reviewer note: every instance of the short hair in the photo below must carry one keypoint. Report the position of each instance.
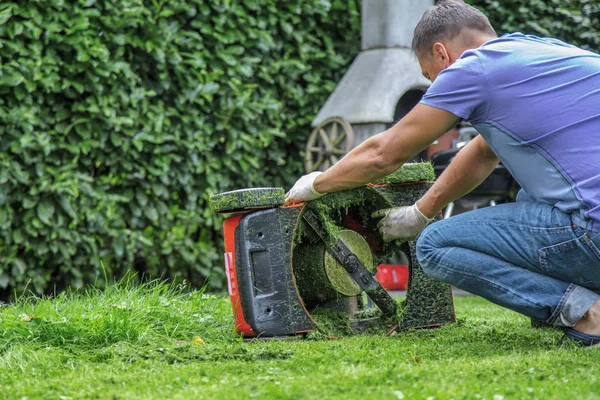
(444, 21)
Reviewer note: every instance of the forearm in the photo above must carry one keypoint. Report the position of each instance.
(467, 170)
(382, 154)
(364, 164)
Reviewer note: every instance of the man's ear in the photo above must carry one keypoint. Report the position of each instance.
(441, 56)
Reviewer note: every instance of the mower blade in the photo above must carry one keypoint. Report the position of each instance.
(361, 275)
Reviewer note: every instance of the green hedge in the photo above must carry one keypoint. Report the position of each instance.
(120, 118)
(574, 21)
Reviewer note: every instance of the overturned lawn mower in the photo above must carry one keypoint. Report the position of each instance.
(310, 267)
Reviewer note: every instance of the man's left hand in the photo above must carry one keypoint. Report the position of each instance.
(401, 223)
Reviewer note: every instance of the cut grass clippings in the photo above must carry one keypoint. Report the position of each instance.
(159, 341)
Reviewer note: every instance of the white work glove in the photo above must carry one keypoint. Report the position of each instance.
(304, 189)
(401, 223)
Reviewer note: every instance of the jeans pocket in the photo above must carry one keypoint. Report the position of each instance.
(574, 261)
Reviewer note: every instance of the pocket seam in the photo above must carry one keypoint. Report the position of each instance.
(558, 248)
(590, 244)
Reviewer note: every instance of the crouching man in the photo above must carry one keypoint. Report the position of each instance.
(536, 104)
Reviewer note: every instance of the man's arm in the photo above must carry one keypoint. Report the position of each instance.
(468, 169)
(384, 153)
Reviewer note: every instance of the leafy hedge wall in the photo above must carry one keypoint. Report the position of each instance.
(574, 21)
(120, 118)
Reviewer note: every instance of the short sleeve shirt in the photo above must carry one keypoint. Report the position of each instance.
(536, 102)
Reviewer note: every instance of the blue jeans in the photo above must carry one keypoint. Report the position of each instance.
(526, 256)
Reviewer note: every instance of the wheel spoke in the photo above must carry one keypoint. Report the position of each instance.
(333, 159)
(315, 149)
(334, 132)
(339, 140)
(324, 137)
(318, 163)
(339, 152)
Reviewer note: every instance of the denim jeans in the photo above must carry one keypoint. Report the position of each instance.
(527, 256)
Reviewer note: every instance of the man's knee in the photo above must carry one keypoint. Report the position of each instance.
(429, 247)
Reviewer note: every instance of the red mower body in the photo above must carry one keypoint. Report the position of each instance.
(241, 326)
(264, 296)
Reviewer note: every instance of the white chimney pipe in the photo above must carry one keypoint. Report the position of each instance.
(390, 23)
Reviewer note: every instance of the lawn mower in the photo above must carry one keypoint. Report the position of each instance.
(310, 267)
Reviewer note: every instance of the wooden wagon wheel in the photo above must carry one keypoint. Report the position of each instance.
(328, 142)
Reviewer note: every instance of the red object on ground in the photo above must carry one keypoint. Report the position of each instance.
(392, 277)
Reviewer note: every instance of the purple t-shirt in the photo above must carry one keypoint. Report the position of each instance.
(536, 102)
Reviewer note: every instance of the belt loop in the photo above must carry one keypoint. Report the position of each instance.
(581, 221)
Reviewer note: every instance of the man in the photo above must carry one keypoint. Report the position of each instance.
(536, 104)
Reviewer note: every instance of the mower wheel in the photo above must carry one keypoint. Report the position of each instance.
(246, 199)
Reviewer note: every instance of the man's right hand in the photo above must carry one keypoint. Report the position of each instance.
(304, 189)
(401, 223)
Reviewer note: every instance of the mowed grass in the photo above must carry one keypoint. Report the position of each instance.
(137, 342)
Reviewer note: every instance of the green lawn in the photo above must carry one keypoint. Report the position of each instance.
(133, 342)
